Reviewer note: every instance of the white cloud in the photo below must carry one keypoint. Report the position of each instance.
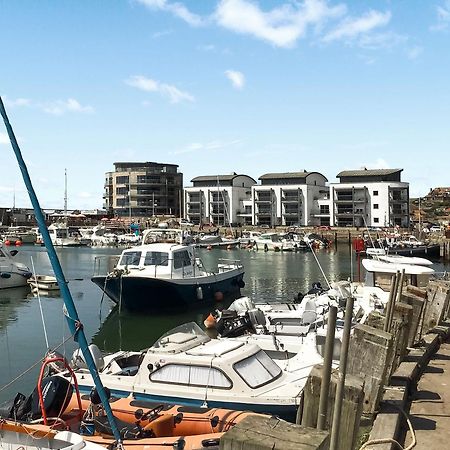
(443, 17)
(377, 41)
(237, 78)
(212, 145)
(4, 139)
(18, 102)
(160, 34)
(414, 52)
(60, 107)
(351, 28)
(174, 94)
(175, 8)
(281, 26)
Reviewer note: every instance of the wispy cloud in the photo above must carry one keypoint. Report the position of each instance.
(207, 47)
(174, 94)
(60, 107)
(17, 102)
(160, 34)
(4, 139)
(443, 17)
(414, 52)
(212, 145)
(175, 8)
(237, 78)
(55, 107)
(351, 27)
(282, 26)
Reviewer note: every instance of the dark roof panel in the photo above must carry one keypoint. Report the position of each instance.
(215, 178)
(367, 172)
(284, 175)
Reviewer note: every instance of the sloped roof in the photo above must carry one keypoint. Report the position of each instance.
(215, 178)
(286, 175)
(367, 172)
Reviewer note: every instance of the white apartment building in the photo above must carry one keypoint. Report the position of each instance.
(219, 199)
(376, 198)
(291, 198)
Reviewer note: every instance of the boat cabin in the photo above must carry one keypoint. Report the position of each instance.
(159, 260)
(379, 273)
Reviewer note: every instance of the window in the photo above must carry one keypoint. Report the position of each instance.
(130, 259)
(191, 375)
(156, 259)
(122, 180)
(376, 220)
(375, 192)
(181, 259)
(375, 206)
(257, 370)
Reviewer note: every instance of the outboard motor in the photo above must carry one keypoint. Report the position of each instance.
(56, 393)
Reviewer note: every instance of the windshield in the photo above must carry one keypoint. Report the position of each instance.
(258, 369)
(156, 259)
(130, 258)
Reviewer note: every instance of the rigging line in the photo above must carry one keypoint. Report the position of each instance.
(38, 291)
(318, 263)
(39, 361)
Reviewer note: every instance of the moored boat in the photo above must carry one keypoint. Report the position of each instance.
(43, 283)
(12, 273)
(166, 275)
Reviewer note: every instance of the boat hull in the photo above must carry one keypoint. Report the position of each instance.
(430, 251)
(143, 293)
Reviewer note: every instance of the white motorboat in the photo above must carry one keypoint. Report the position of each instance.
(273, 241)
(61, 236)
(43, 283)
(165, 275)
(12, 273)
(216, 241)
(186, 367)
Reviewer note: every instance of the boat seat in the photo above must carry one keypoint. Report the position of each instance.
(127, 430)
(162, 426)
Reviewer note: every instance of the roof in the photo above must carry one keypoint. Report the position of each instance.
(215, 178)
(287, 175)
(367, 172)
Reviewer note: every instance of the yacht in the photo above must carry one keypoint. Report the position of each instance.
(12, 273)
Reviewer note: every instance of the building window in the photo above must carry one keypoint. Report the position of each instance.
(375, 206)
(376, 220)
(122, 180)
(375, 192)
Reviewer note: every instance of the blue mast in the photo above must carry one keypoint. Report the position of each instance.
(75, 325)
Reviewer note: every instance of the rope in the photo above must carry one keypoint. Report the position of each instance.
(393, 441)
(35, 364)
(40, 303)
(318, 263)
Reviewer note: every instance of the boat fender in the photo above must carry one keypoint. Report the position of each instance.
(207, 443)
(5, 275)
(199, 293)
(218, 296)
(7, 242)
(266, 248)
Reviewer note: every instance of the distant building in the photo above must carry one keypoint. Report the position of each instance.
(219, 199)
(291, 198)
(143, 189)
(374, 197)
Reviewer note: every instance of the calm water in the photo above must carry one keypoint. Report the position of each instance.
(268, 277)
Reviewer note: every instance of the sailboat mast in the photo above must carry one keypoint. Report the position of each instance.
(71, 314)
(65, 196)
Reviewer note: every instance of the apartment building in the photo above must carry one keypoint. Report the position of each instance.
(143, 189)
(374, 197)
(219, 199)
(291, 198)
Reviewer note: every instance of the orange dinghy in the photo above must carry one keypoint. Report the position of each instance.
(142, 424)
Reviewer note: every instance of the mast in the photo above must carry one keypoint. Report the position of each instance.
(65, 197)
(71, 313)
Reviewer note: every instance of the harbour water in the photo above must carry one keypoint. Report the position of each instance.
(268, 276)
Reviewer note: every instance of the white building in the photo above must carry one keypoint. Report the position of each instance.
(219, 199)
(292, 198)
(369, 197)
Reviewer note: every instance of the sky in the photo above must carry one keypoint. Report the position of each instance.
(222, 86)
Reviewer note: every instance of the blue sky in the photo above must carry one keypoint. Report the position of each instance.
(221, 86)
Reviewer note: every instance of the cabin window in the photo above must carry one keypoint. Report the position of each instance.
(130, 259)
(191, 375)
(156, 259)
(181, 259)
(258, 369)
